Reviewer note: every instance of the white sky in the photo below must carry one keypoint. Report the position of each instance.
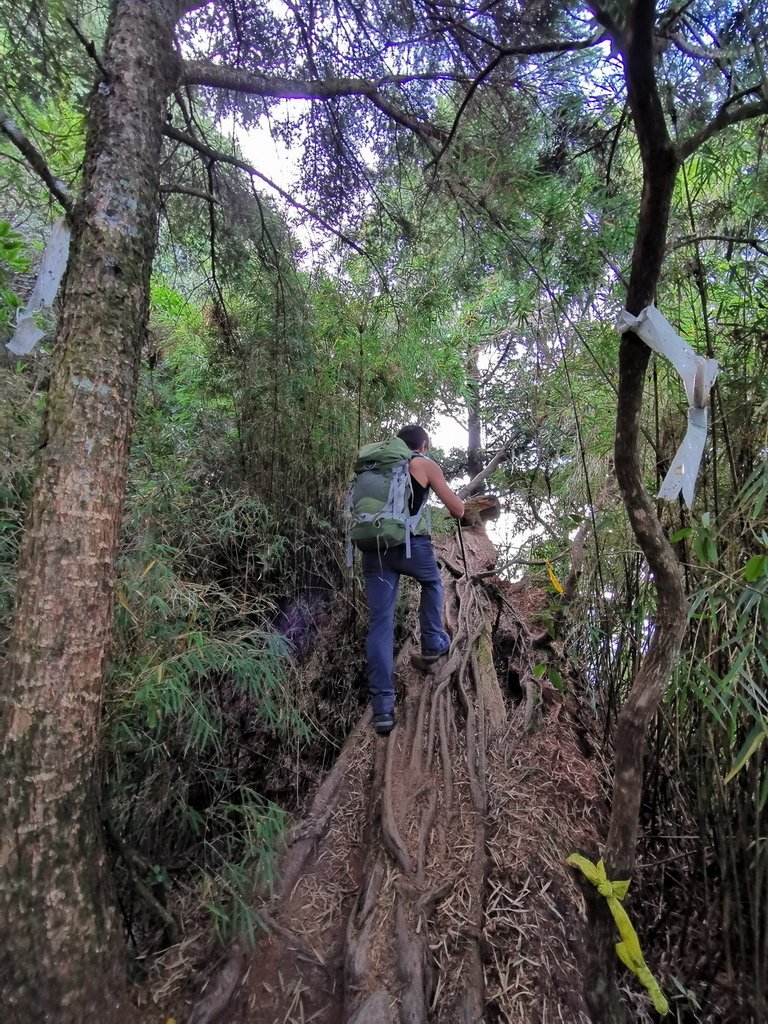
(268, 155)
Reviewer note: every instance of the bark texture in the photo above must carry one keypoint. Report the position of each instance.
(660, 166)
(62, 957)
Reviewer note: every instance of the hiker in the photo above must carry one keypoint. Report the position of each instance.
(386, 558)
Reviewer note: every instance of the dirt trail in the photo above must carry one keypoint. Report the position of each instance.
(428, 881)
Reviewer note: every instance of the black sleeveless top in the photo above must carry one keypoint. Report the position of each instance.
(420, 493)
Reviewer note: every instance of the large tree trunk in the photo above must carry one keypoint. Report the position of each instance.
(61, 952)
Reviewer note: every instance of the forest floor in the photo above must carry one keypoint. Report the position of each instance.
(427, 880)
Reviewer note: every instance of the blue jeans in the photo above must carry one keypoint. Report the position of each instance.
(382, 577)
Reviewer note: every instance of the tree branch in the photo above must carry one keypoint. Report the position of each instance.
(475, 482)
(183, 190)
(555, 46)
(699, 52)
(754, 243)
(219, 76)
(36, 161)
(724, 118)
(521, 49)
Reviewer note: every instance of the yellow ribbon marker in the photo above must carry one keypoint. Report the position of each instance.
(553, 578)
(628, 950)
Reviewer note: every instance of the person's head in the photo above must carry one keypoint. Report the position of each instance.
(414, 436)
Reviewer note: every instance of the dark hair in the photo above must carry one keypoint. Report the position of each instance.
(414, 436)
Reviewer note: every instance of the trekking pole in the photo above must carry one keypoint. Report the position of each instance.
(463, 552)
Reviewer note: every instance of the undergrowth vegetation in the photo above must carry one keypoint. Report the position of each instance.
(201, 692)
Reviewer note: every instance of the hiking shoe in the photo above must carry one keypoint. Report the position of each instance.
(429, 657)
(384, 723)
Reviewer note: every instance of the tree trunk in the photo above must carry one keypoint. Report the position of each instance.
(660, 166)
(474, 422)
(62, 957)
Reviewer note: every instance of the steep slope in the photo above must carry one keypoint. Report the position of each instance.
(427, 882)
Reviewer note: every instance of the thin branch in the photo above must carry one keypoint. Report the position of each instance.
(615, 143)
(226, 158)
(36, 161)
(187, 6)
(89, 48)
(138, 865)
(754, 243)
(497, 339)
(183, 190)
(535, 563)
(724, 118)
(555, 46)
(463, 106)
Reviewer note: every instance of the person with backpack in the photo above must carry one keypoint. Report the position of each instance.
(390, 525)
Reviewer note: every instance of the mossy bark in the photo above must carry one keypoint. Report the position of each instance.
(62, 956)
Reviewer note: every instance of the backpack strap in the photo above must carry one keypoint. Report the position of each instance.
(413, 521)
(400, 495)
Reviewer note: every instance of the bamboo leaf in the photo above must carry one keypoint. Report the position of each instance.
(751, 744)
(681, 535)
(556, 679)
(756, 567)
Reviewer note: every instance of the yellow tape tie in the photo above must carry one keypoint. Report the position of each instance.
(628, 950)
(553, 578)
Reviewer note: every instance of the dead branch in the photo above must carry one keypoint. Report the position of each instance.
(474, 483)
(37, 163)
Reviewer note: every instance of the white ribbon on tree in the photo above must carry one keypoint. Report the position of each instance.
(52, 267)
(698, 375)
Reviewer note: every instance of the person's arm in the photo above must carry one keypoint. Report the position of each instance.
(449, 498)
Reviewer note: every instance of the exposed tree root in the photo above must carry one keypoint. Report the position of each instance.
(221, 989)
(428, 880)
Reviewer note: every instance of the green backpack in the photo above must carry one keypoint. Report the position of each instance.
(379, 499)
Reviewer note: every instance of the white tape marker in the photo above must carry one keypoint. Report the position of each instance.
(698, 375)
(52, 267)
